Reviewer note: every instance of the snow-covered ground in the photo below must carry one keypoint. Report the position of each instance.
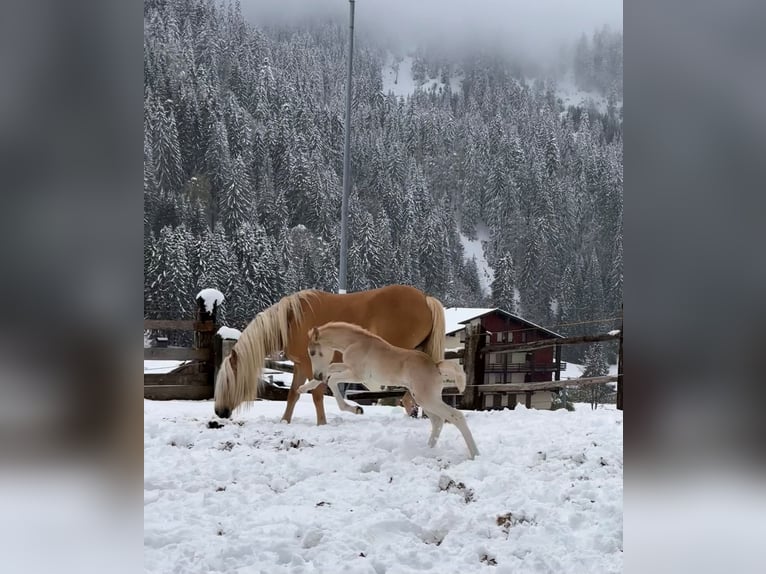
(364, 494)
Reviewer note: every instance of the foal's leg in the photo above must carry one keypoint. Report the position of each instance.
(339, 372)
(436, 427)
(456, 418)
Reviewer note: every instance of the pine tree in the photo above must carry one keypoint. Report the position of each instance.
(596, 366)
(236, 201)
(170, 276)
(503, 285)
(166, 152)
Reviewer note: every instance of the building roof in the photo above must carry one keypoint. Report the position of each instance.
(455, 318)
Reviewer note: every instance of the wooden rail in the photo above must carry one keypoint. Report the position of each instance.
(179, 325)
(177, 354)
(175, 379)
(546, 385)
(519, 347)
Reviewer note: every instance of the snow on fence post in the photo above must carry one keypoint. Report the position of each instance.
(223, 342)
(208, 302)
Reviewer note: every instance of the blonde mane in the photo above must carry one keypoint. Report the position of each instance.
(267, 333)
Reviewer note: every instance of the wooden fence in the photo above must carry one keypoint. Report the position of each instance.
(194, 379)
(474, 365)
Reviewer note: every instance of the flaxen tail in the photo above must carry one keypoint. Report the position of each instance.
(434, 344)
(452, 373)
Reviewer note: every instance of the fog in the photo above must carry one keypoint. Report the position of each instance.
(530, 28)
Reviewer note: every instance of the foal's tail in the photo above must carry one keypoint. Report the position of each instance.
(452, 372)
(434, 344)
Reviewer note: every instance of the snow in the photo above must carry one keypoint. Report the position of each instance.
(474, 248)
(615, 332)
(229, 333)
(278, 377)
(575, 371)
(364, 494)
(211, 297)
(403, 84)
(571, 95)
(454, 317)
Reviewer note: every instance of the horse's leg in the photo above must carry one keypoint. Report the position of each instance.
(457, 418)
(318, 395)
(293, 394)
(339, 372)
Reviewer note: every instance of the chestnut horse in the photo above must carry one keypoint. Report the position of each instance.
(368, 359)
(402, 315)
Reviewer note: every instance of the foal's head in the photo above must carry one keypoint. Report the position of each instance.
(320, 355)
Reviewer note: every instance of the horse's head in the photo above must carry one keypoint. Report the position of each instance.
(320, 355)
(228, 394)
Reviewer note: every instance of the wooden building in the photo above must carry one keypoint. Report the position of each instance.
(499, 326)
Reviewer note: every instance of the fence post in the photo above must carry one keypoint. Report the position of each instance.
(473, 365)
(619, 370)
(204, 335)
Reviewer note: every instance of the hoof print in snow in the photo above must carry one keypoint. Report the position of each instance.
(220, 489)
(602, 462)
(506, 521)
(362, 555)
(323, 503)
(489, 560)
(214, 425)
(579, 458)
(435, 538)
(287, 444)
(446, 483)
(228, 445)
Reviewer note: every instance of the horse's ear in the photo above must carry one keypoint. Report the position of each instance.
(233, 359)
(314, 334)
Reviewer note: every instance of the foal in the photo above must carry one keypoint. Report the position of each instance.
(373, 362)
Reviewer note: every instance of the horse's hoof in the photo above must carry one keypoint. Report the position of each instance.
(359, 410)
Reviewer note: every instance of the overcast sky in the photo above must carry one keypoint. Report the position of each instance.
(534, 27)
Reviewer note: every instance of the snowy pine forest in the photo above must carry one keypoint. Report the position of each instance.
(243, 153)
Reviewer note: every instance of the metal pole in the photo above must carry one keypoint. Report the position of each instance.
(346, 160)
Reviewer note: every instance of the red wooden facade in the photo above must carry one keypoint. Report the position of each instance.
(536, 366)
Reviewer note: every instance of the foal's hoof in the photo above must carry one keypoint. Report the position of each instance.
(359, 410)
